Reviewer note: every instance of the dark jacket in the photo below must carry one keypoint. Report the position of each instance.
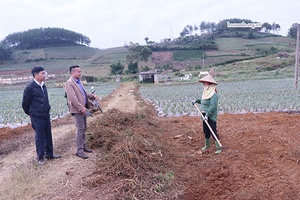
(35, 102)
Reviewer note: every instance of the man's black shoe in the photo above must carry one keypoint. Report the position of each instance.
(41, 162)
(52, 157)
(85, 149)
(82, 155)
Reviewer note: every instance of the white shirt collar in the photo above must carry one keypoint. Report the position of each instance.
(40, 84)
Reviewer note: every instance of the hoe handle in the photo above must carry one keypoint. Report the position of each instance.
(213, 133)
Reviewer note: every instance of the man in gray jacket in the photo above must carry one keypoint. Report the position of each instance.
(78, 105)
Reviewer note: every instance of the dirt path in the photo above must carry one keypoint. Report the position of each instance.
(122, 99)
(21, 178)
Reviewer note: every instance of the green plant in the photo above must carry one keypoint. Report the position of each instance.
(145, 68)
(165, 181)
(182, 55)
(89, 78)
(117, 68)
(132, 67)
(197, 67)
(179, 74)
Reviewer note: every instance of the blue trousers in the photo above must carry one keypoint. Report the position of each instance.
(43, 136)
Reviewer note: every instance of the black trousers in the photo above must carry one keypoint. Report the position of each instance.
(43, 136)
(206, 130)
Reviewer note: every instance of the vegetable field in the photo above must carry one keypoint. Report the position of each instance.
(13, 115)
(234, 97)
(173, 99)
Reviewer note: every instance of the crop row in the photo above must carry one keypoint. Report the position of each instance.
(234, 97)
(11, 103)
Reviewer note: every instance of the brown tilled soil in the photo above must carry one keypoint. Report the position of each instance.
(18, 73)
(261, 158)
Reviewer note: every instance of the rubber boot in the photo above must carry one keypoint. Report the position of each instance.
(207, 144)
(218, 150)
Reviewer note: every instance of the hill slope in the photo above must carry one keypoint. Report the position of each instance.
(96, 62)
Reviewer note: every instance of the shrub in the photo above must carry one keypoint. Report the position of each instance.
(90, 78)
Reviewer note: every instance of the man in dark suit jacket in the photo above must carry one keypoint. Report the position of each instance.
(35, 103)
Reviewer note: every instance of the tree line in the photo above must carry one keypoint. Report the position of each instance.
(293, 31)
(40, 38)
(206, 27)
(5, 52)
(222, 30)
(136, 53)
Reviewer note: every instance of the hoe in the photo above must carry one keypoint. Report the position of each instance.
(213, 133)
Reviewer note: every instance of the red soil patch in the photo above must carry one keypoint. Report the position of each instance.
(162, 57)
(8, 133)
(261, 162)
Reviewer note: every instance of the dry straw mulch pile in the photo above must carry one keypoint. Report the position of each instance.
(134, 163)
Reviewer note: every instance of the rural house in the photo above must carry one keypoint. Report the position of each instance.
(149, 76)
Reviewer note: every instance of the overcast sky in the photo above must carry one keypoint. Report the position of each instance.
(112, 23)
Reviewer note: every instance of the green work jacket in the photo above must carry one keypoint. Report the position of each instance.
(210, 107)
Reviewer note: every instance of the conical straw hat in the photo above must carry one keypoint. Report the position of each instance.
(209, 79)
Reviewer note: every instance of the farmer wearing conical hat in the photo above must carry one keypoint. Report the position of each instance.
(209, 108)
